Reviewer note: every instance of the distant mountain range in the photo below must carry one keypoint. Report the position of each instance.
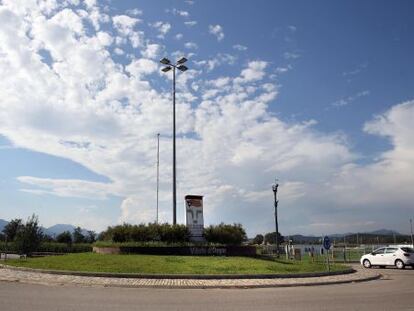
(298, 238)
(52, 231)
(3, 223)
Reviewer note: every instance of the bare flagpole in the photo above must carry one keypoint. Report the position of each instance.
(158, 169)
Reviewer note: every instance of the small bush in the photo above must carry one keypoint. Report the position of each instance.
(64, 237)
(258, 239)
(225, 234)
(270, 238)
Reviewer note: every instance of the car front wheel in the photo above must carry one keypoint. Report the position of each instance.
(366, 263)
(399, 264)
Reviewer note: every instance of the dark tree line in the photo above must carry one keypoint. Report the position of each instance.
(26, 237)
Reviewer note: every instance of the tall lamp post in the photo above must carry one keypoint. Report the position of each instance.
(168, 66)
(274, 188)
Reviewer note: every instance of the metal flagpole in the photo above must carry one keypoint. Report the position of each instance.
(158, 169)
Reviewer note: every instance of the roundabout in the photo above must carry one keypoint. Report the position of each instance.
(33, 276)
(393, 291)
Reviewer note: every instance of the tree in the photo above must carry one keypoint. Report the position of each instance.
(10, 230)
(64, 237)
(29, 236)
(91, 237)
(270, 238)
(225, 234)
(47, 238)
(258, 239)
(78, 237)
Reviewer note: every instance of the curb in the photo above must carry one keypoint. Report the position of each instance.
(367, 279)
(182, 276)
(186, 284)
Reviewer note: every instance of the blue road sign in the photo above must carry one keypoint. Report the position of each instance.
(326, 242)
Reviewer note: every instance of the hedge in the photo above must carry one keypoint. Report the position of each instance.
(51, 247)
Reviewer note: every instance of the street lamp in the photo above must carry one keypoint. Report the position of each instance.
(168, 66)
(274, 188)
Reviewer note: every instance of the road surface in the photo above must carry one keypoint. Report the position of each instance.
(394, 292)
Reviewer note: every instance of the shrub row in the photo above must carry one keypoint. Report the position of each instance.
(50, 247)
(170, 234)
(54, 247)
(144, 233)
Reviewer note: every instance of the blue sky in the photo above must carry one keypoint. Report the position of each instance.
(317, 94)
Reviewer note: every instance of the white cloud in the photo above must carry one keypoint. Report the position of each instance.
(104, 38)
(190, 23)
(135, 12)
(162, 27)
(291, 55)
(386, 182)
(239, 47)
(349, 99)
(67, 188)
(217, 31)
(141, 67)
(191, 45)
(178, 36)
(255, 71)
(218, 60)
(124, 24)
(119, 51)
(152, 51)
(180, 13)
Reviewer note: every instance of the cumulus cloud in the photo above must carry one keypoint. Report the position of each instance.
(191, 45)
(255, 71)
(124, 24)
(218, 60)
(180, 12)
(217, 31)
(385, 181)
(162, 27)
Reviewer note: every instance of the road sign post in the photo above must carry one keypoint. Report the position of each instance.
(327, 246)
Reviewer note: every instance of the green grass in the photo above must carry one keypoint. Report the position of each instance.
(90, 262)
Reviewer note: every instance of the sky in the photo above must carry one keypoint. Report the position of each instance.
(319, 95)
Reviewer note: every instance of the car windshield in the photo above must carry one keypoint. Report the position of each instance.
(378, 251)
(408, 250)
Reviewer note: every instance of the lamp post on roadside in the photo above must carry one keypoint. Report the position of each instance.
(274, 188)
(168, 66)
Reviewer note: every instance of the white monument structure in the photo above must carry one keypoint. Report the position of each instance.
(194, 216)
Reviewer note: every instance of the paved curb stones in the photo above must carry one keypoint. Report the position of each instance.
(45, 277)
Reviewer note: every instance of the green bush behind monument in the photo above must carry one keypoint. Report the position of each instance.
(172, 234)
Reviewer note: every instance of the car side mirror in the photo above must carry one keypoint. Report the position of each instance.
(373, 254)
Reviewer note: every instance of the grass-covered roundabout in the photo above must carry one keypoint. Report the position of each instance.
(171, 265)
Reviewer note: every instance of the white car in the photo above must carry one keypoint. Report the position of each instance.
(389, 256)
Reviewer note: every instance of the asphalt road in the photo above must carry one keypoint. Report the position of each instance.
(394, 292)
